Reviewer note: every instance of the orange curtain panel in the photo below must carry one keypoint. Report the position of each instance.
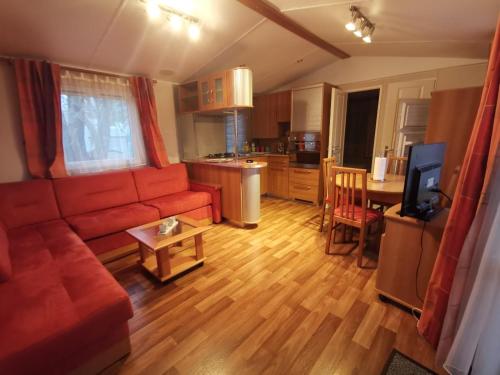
(473, 182)
(142, 89)
(39, 91)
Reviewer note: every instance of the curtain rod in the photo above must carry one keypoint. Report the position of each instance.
(10, 60)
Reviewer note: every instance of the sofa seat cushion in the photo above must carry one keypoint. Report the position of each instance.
(103, 247)
(100, 223)
(179, 203)
(59, 295)
(5, 265)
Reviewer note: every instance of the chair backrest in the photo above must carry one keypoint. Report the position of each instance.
(396, 164)
(328, 163)
(348, 183)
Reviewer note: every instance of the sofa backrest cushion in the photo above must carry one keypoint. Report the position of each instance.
(153, 182)
(80, 194)
(5, 266)
(27, 202)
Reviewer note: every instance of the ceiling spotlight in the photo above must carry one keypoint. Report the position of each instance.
(153, 9)
(351, 26)
(175, 22)
(194, 31)
(360, 25)
(175, 17)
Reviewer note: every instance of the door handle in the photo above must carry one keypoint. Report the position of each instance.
(306, 188)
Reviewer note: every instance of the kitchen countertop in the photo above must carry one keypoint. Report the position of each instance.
(239, 164)
(303, 165)
(257, 154)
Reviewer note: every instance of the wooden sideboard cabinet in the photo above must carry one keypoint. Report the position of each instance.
(404, 269)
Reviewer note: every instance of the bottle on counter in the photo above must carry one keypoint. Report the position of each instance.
(246, 147)
(253, 146)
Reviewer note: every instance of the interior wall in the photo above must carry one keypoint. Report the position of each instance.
(367, 68)
(201, 135)
(388, 73)
(12, 159)
(165, 104)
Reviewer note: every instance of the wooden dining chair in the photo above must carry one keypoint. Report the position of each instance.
(396, 164)
(328, 163)
(353, 181)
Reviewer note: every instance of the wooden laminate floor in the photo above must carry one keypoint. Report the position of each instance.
(267, 301)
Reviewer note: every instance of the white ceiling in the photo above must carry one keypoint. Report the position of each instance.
(118, 36)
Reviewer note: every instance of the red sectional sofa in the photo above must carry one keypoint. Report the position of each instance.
(61, 309)
(101, 207)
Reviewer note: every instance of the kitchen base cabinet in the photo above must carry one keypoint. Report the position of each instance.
(278, 181)
(304, 184)
(277, 173)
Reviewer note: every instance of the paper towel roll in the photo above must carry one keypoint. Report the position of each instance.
(379, 169)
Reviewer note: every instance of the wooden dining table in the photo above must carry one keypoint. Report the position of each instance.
(388, 192)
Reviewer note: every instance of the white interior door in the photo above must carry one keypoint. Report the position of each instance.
(337, 125)
(417, 89)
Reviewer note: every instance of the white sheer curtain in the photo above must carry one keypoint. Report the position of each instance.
(475, 346)
(101, 128)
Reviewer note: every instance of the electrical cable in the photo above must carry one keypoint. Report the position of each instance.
(443, 193)
(419, 262)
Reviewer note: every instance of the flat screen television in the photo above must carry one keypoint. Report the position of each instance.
(423, 172)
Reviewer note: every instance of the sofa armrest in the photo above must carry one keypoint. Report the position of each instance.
(215, 191)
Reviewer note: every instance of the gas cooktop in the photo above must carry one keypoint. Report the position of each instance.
(220, 155)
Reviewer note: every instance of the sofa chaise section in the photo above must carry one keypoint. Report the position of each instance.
(61, 308)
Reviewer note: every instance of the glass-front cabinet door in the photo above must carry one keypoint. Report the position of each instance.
(219, 93)
(205, 94)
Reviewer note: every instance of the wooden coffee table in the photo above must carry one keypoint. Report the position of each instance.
(166, 256)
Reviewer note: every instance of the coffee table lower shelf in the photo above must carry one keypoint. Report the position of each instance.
(178, 264)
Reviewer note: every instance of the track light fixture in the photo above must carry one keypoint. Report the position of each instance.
(360, 25)
(176, 19)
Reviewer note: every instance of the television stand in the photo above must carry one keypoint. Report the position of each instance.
(424, 216)
(400, 255)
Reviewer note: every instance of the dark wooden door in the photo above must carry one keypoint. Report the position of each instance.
(361, 120)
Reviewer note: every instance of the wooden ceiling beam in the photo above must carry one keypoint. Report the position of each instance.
(268, 10)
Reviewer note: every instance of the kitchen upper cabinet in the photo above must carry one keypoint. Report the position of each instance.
(269, 111)
(213, 92)
(284, 111)
(223, 90)
(307, 109)
(259, 120)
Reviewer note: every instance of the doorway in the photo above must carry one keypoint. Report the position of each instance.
(361, 121)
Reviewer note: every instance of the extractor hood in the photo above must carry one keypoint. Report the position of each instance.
(242, 87)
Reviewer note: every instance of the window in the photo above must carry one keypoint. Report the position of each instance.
(101, 128)
(242, 130)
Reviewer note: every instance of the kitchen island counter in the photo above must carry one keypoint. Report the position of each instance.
(238, 164)
(240, 186)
